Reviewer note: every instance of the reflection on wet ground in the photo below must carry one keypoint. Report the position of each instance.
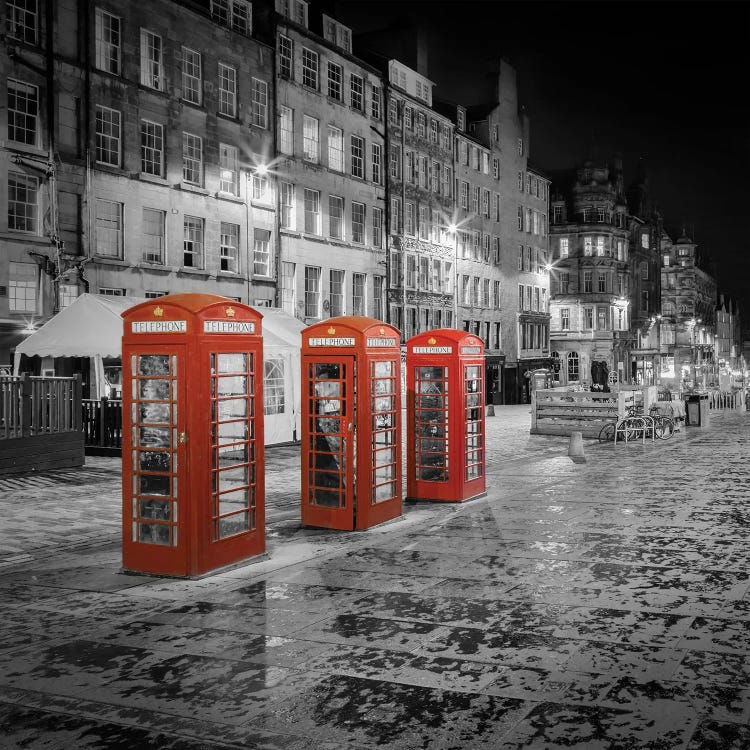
(596, 605)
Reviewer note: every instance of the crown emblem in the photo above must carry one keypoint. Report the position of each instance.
(158, 311)
(382, 331)
(432, 341)
(230, 312)
(331, 330)
(471, 340)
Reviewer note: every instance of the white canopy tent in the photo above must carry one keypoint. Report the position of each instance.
(92, 327)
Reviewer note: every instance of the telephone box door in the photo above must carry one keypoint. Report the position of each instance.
(155, 476)
(328, 451)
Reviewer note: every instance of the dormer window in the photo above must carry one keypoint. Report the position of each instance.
(336, 33)
(294, 10)
(461, 118)
(237, 14)
(644, 241)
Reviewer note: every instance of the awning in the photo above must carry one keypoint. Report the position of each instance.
(89, 326)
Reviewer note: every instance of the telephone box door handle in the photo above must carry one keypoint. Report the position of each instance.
(183, 437)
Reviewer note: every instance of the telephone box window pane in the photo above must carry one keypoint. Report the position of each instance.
(233, 487)
(154, 427)
(431, 424)
(327, 456)
(153, 364)
(384, 435)
(473, 413)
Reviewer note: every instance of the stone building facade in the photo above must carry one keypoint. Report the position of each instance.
(133, 141)
(590, 276)
(330, 170)
(688, 310)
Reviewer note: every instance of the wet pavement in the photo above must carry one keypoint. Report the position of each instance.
(596, 605)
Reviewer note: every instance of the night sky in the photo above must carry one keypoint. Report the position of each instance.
(662, 82)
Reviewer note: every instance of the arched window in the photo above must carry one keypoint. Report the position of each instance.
(572, 366)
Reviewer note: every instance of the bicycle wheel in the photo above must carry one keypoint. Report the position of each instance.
(633, 428)
(664, 428)
(607, 433)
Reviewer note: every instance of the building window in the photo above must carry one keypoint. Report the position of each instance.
(192, 76)
(359, 286)
(396, 218)
(228, 169)
(356, 92)
(310, 139)
(395, 162)
(22, 20)
(23, 203)
(312, 291)
(111, 291)
(286, 130)
(108, 228)
(588, 246)
(520, 146)
(260, 103)
(602, 313)
(262, 252)
(358, 156)
(465, 195)
(565, 318)
(377, 163)
(236, 14)
(600, 247)
(377, 227)
(227, 90)
(588, 318)
(286, 56)
(335, 149)
(108, 134)
(22, 287)
(644, 241)
(377, 297)
(336, 217)
(153, 226)
(588, 282)
(358, 222)
(67, 295)
(23, 112)
(564, 247)
(260, 188)
(288, 287)
(461, 118)
(312, 211)
(229, 247)
(152, 148)
(310, 68)
(572, 366)
(335, 84)
(336, 296)
(192, 159)
(602, 282)
(287, 205)
(152, 63)
(108, 41)
(192, 243)
(644, 301)
(376, 107)
(410, 219)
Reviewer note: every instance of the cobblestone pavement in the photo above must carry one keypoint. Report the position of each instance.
(602, 605)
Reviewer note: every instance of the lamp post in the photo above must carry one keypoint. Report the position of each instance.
(453, 229)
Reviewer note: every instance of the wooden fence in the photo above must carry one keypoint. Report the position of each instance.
(40, 423)
(102, 427)
(560, 411)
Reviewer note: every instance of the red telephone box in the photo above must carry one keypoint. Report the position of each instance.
(351, 423)
(192, 449)
(445, 457)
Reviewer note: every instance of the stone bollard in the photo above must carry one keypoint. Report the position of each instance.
(491, 410)
(575, 448)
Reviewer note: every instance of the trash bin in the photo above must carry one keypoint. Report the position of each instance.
(696, 410)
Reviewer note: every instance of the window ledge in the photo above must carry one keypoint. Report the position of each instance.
(199, 272)
(262, 277)
(229, 275)
(188, 188)
(230, 197)
(155, 179)
(25, 149)
(158, 267)
(104, 260)
(263, 205)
